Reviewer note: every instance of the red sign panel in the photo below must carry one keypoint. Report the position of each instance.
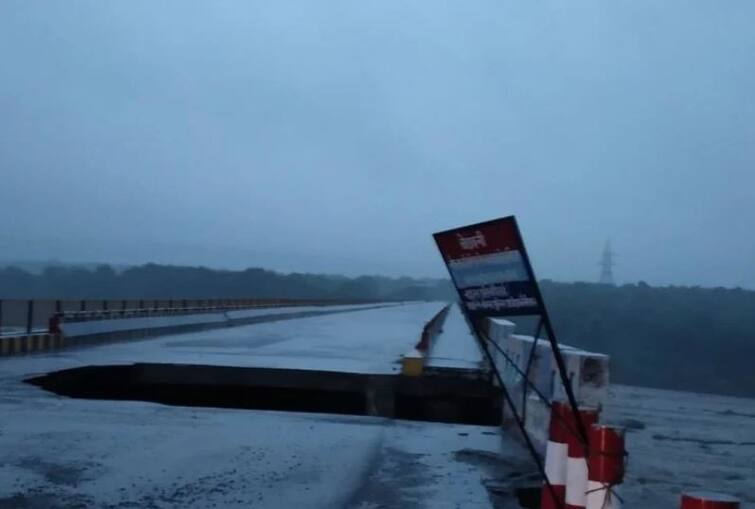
(490, 269)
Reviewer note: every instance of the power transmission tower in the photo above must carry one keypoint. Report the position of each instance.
(606, 266)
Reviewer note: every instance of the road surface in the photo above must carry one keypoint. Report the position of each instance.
(60, 452)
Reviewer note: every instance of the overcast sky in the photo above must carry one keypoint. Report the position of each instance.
(336, 136)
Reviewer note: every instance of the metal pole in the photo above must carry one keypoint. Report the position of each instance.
(519, 420)
(530, 361)
(29, 316)
(554, 343)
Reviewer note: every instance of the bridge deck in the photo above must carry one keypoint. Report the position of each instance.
(455, 347)
(370, 341)
(60, 452)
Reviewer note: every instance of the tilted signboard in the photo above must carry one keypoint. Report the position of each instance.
(492, 273)
(490, 269)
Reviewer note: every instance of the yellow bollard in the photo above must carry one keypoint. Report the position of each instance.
(412, 363)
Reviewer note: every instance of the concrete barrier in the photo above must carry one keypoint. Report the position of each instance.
(588, 373)
(84, 328)
(29, 343)
(413, 362)
(88, 327)
(96, 327)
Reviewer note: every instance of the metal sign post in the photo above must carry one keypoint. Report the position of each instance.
(493, 276)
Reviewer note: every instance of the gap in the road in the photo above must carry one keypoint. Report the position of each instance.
(529, 497)
(514, 490)
(394, 396)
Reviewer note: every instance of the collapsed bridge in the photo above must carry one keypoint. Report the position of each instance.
(354, 416)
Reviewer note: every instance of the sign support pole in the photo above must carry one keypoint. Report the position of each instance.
(530, 361)
(495, 278)
(554, 343)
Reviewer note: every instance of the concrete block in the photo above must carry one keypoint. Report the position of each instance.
(537, 421)
(589, 376)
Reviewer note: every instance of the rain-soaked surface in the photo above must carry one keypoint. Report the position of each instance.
(682, 441)
(62, 452)
(369, 341)
(59, 452)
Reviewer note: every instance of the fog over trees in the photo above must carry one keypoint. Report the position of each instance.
(153, 281)
(688, 338)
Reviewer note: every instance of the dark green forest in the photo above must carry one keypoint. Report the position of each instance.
(687, 338)
(153, 281)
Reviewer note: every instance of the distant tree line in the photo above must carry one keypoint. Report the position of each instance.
(686, 338)
(153, 281)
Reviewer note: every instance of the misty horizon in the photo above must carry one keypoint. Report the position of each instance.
(38, 266)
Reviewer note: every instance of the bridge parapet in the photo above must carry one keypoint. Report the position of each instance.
(41, 324)
(27, 316)
(529, 371)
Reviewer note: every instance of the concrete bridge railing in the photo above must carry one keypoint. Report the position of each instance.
(588, 373)
(27, 316)
(47, 324)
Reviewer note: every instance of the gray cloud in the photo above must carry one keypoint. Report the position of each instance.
(338, 136)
